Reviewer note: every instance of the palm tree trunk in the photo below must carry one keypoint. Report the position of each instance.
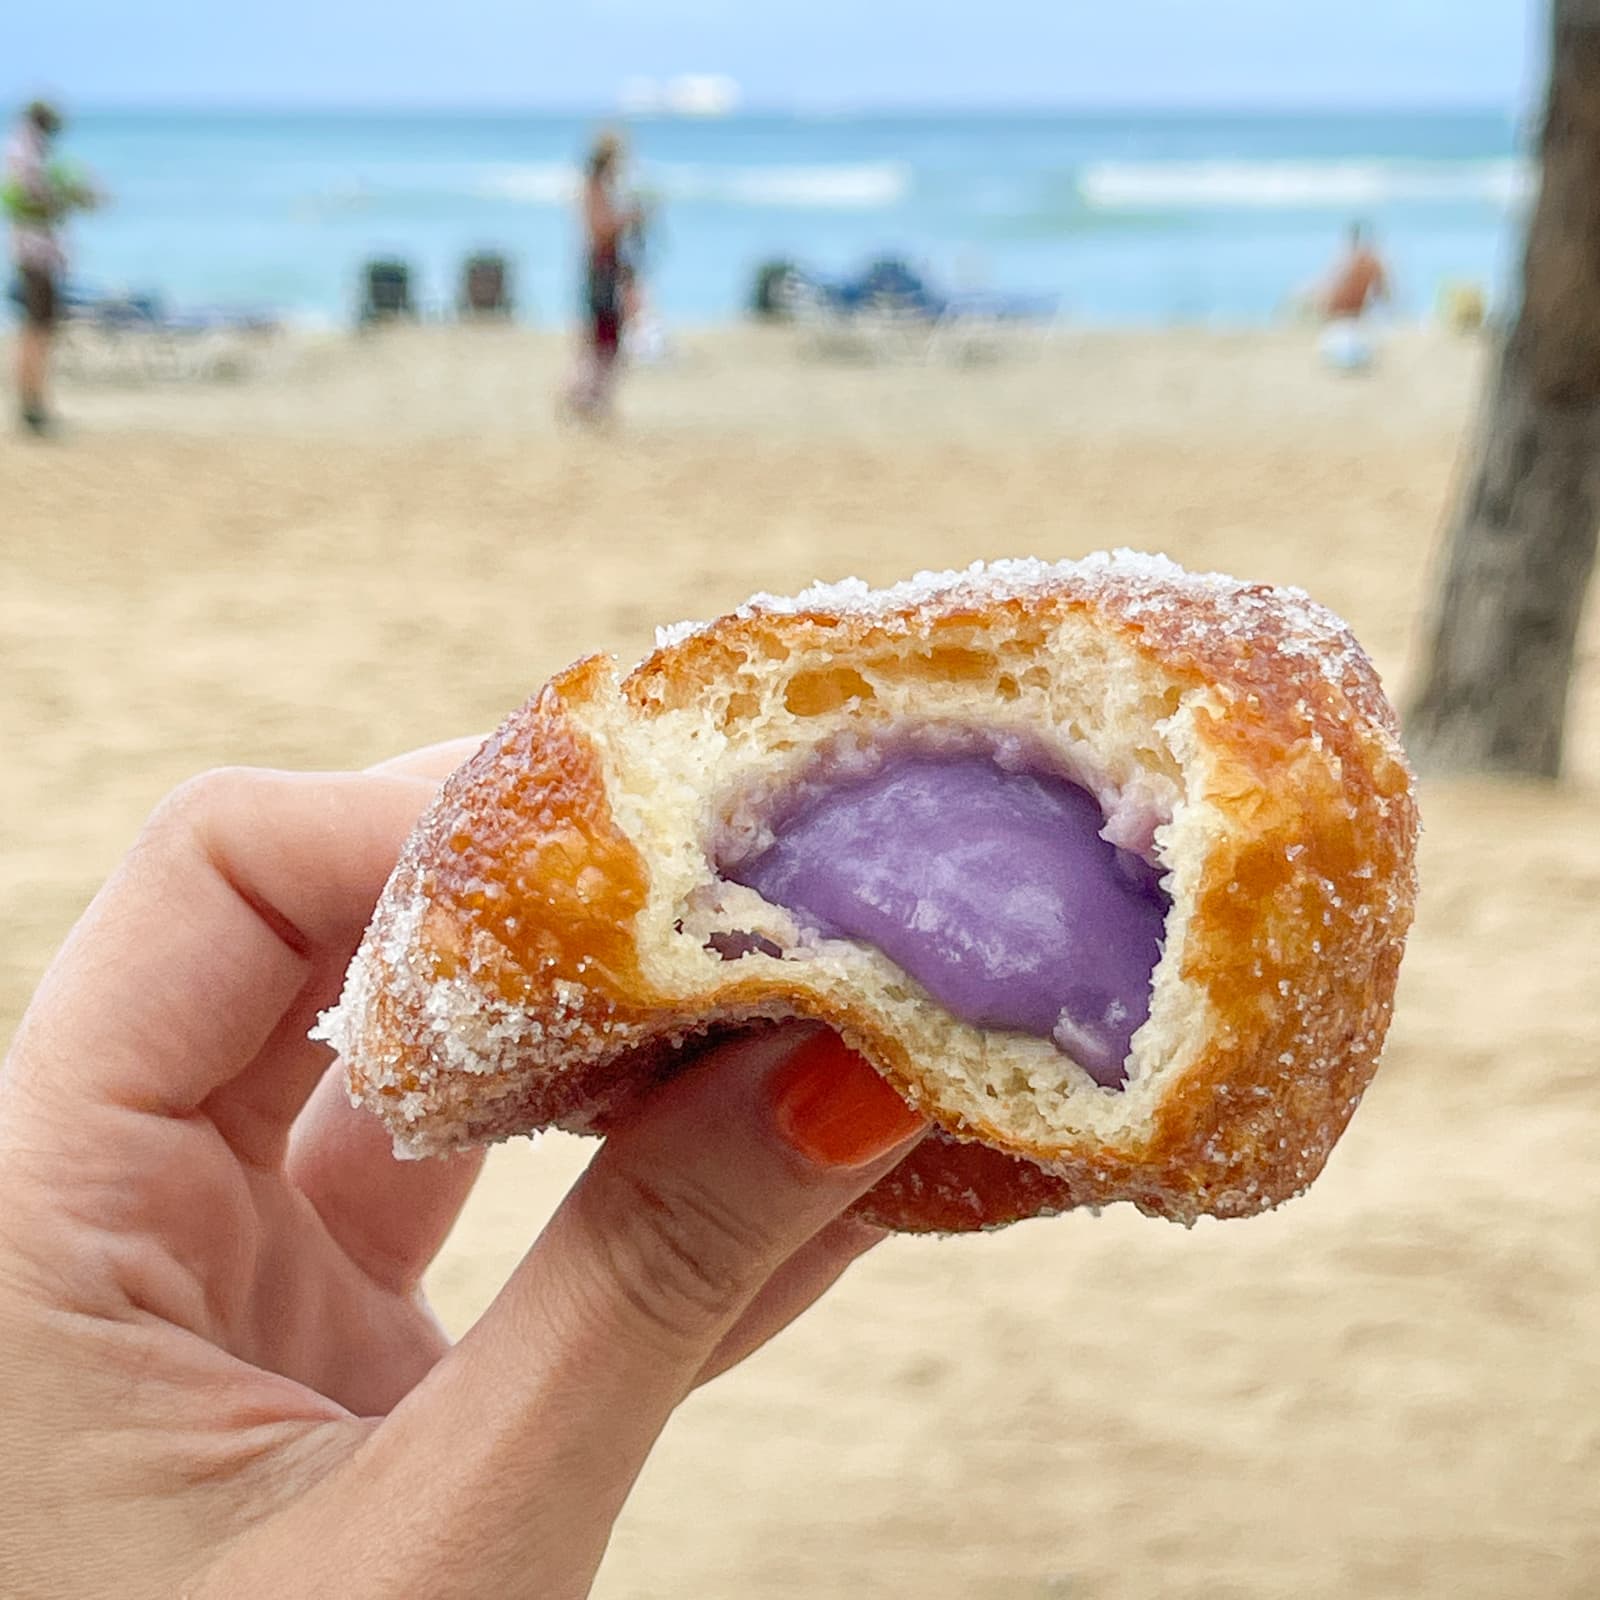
(1522, 538)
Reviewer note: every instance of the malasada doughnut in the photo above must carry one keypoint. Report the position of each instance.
(1105, 866)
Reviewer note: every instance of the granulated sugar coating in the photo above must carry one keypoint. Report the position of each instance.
(1151, 584)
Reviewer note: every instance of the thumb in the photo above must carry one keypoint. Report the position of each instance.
(553, 1401)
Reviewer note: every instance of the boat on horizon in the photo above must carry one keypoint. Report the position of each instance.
(696, 94)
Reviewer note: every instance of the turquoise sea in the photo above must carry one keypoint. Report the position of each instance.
(1131, 218)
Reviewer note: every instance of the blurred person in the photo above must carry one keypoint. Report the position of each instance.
(608, 224)
(38, 195)
(222, 1377)
(1358, 281)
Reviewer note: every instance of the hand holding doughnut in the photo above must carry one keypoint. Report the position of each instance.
(220, 1376)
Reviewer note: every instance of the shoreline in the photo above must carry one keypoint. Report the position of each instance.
(488, 380)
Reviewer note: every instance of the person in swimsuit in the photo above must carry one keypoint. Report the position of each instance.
(1357, 282)
(606, 225)
(37, 198)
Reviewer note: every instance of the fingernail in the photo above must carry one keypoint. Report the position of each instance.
(834, 1109)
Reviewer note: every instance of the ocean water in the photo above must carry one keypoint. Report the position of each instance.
(1131, 219)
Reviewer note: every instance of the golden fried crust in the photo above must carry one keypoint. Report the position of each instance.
(1296, 935)
(526, 881)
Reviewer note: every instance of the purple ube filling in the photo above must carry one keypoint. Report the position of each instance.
(993, 889)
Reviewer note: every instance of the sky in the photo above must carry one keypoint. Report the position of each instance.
(816, 54)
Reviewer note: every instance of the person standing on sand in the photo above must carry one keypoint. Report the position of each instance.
(37, 198)
(1357, 282)
(607, 222)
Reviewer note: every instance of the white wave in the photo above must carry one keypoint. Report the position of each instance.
(538, 183)
(841, 186)
(865, 185)
(1304, 185)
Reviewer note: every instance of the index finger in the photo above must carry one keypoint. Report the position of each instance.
(178, 972)
(432, 760)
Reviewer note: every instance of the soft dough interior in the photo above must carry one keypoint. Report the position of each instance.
(731, 757)
(994, 889)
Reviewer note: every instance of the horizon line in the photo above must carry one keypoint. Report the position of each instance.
(796, 109)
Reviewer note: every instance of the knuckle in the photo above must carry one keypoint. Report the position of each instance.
(195, 810)
(679, 1257)
(196, 799)
(202, 793)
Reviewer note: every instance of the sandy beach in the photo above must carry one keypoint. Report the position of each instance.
(1389, 1388)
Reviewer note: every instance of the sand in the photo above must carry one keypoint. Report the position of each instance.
(1389, 1388)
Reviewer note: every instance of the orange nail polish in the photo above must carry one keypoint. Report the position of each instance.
(834, 1109)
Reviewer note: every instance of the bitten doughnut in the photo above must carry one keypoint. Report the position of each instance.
(1105, 866)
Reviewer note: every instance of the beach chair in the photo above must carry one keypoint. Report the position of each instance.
(963, 325)
(137, 337)
(386, 294)
(809, 304)
(485, 288)
(862, 318)
(891, 311)
(768, 289)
